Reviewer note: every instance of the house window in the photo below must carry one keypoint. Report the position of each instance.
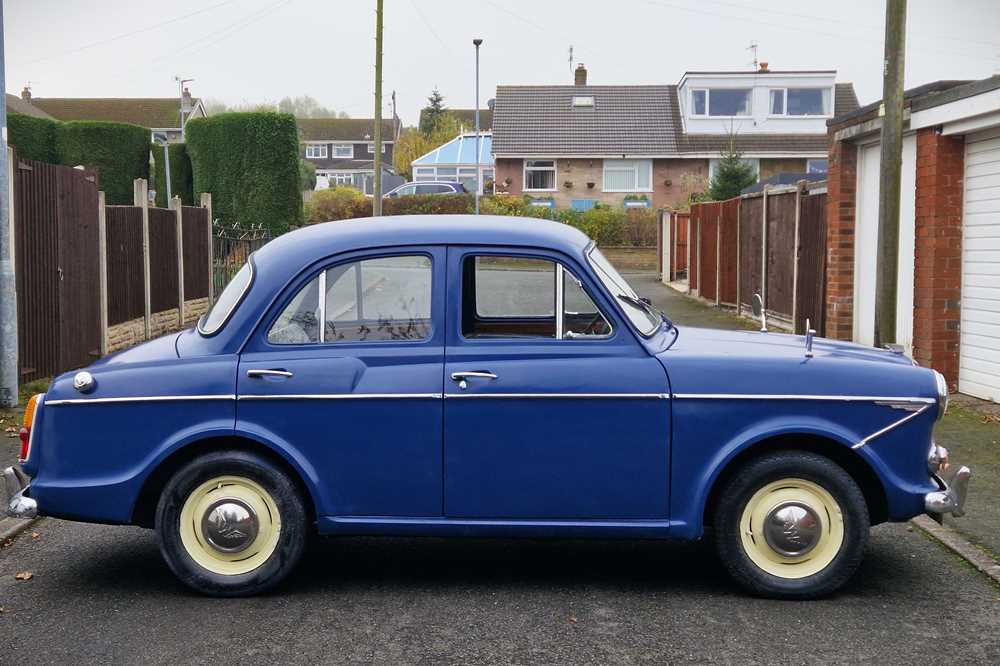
(540, 175)
(371, 149)
(628, 175)
(713, 166)
(316, 151)
(729, 102)
(423, 173)
(801, 101)
(583, 101)
(342, 177)
(343, 150)
(816, 166)
(699, 102)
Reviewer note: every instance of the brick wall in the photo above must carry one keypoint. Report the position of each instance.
(673, 181)
(938, 279)
(841, 184)
(132, 332)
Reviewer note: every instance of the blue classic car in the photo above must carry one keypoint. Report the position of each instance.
(473, 376)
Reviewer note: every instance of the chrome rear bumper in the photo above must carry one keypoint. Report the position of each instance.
(19, 505)
(951, 497)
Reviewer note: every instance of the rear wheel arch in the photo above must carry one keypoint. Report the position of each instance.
(144, 511)
(848, 459)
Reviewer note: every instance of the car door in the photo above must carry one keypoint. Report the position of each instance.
(547, 417)
(357, 400)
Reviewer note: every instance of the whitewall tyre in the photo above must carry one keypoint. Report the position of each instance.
(231, 523)
(791, 525)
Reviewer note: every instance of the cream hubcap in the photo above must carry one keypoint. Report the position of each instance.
(792, 528)
(230, 525)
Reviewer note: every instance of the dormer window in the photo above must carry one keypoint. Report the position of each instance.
(800, 101)
(720, 102)
(583, 101)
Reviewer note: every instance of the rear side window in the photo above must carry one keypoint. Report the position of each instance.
(372, 300)
(227, 301)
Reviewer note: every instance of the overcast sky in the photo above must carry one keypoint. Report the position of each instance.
(262, 50)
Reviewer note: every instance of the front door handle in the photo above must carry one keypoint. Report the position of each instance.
(460, 377)
(257, 374)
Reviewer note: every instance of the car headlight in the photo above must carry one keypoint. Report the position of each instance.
(942, 394)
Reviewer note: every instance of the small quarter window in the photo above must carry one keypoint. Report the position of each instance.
(230, 297)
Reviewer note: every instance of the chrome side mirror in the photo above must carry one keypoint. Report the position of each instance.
(757, 305)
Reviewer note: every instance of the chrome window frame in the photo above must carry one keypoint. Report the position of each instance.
(589, 251)
(232, 309)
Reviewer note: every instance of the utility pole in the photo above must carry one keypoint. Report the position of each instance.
(479, 167)
(891, 168)
(377, 193)
(8, 288)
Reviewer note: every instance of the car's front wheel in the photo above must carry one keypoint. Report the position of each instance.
(791, 525)
(231, 523)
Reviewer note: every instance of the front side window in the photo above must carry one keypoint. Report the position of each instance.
(713, 165)
(343, 150)
(226, 304)
(540, 175)
(371, 149)
(729, 102)
(816, 166)
(642, 317)
(519, 297)
(628, 175)
(800, 102)
(316, 151)
(699, 102)
(373, 300)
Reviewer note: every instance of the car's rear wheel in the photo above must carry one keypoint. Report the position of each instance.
(231, 523)
(791, 525)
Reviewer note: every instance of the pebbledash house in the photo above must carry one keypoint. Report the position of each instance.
(571, 146)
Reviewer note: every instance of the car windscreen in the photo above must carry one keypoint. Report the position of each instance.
(644, 319)
(226, 304)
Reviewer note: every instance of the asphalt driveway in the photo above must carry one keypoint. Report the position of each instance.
(101, 594)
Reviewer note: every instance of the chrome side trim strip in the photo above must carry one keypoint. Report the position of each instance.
(140, 398)
(891, 426)
(343, 396)
(827, 398)
(578, 396)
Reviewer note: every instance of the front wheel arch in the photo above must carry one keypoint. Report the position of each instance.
(849, 460)
(144, 512)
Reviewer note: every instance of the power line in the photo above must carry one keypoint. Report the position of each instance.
(125, 35)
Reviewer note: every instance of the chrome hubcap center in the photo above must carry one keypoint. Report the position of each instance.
(792, 529)
(230, 525)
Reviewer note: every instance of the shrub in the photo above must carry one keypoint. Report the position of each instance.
(34, 138)
(307, 175)
(430, 204)
(181, 178)
(337, 203)
(119, 152)
(250, 164)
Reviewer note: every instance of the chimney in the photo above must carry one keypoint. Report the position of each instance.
(26, 94)
(763, 67)
(580, 75)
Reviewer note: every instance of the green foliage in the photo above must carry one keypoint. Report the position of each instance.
(181, 178)
(731, 176)
(430, 204)
(118, 151)
(34, 138)
(307, 175)
(431, 113)
(250, 164)
(417, 143)
(337, 203)
(305, 106)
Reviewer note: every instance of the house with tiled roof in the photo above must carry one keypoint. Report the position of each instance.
(163, 115)
(576, 145)
(343, 149)
(16, 104)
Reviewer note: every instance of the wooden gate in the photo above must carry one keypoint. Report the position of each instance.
(56, 267)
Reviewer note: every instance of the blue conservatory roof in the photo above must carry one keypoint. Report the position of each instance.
(460, 151)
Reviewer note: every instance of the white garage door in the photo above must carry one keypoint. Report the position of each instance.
(979, 372)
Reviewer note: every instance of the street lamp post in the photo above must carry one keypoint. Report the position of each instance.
(479, 166)
(162, 140)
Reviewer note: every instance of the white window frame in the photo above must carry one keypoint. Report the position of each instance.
(424, 174)
(691, 101)
(817, 159)
(316, 151)
(635, 166)
(784, 105)
(708, 103)
(371, 148)
(341, 177)
(338, 146)
(583, 101)
(555, 174)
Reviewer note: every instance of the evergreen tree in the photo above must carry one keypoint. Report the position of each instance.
(732, 175)
(435, 109)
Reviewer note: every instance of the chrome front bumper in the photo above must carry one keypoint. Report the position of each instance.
(19, 505)
(951, 497)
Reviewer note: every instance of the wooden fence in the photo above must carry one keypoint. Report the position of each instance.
(772, 243)
(82, 267)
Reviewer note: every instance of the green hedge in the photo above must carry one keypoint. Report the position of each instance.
(119, 152)
(250, 164)
(181, 177)
(34, 138)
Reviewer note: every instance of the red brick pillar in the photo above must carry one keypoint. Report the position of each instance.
(938, 261)
(841, 187)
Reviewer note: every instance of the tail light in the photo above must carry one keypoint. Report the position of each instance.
(29, 420)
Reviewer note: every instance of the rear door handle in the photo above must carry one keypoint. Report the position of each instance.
(258, 373)
(460, 377)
